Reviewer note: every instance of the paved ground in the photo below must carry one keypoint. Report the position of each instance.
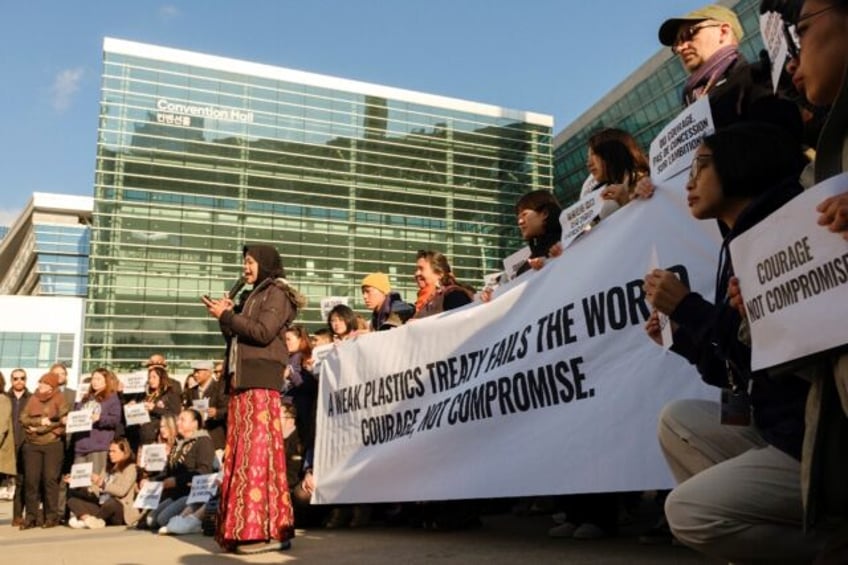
(502, 539)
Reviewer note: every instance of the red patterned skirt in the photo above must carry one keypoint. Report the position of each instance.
(255, 501)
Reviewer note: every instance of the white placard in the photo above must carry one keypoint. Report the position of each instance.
(81, 475)
(136, 414)
(577, 219)
(514, 262)
(771, 30)
(793, 275)
(153, 457)
(148, 496)
(202, 406)
(203, 487)
(134, 383)
(665, 323)
(331, 302)
(78, 421)
(672, 150)
(536, 384)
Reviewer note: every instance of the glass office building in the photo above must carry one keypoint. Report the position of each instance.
(641, 105)
(198, 154)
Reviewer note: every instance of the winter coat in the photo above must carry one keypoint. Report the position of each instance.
(255, 333)
(103, 430)
(190, 456)
(8, 461)
(121, 486)
(55, 408)
(707, 337)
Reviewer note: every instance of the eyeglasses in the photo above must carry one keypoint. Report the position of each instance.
(698, 165)
(689, 33)
(801, 30)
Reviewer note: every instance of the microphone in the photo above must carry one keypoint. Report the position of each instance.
(236, 288)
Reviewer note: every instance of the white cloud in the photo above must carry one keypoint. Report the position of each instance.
(168, 12)
(65, 85)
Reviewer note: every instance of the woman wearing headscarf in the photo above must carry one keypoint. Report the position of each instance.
(44, 448)
(255, 512)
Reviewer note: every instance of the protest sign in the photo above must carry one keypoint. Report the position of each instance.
(672, 150)
(134, 383)
(331, 302)
(148, 496)
(577, 219)
(771, 30)
(552, 387)
(153, 457)
(81, 475)
(793, 274)
(202, 406)
(515, 261)
(203, 487)
(136, 414)
(78, 421)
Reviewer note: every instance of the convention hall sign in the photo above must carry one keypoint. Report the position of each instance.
(552, 387)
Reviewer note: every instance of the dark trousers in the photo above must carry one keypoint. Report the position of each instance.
(42, 467)
(110, 511)
(18, 503)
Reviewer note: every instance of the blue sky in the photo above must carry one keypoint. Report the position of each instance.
(551, 56)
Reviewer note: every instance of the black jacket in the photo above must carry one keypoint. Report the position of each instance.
(707, 337)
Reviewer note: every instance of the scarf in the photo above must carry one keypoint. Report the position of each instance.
(705, 77)
(424, 296)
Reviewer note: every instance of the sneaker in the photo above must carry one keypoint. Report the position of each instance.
(179, 525)
(565, 530)
(93, 522)
(559, 518)
(587, 530)
(164, 531)
(76, 523)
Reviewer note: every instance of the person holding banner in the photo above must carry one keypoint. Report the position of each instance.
(738, 463)
(43, 451)
(616, 163)
(538, 221)
(444, 293)
(342, 322)
(388, 310)
(102, 402)
(109, 500)
(255, 510)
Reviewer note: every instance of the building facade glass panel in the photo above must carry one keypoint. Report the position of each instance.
(195, 158)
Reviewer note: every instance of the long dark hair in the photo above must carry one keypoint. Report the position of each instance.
(624, 161)
(125, 448)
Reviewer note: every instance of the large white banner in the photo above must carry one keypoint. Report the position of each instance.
(553, 387)
(793, 274)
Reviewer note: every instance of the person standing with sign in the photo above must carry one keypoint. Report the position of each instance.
(43, 450)
(255, 511)
(738, 463)
(105, 408)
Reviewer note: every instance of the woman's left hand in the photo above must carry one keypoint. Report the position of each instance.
(834, 214)
(217, 307)
(664, 291)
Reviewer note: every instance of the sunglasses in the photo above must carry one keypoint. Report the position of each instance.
(18, 378)
(689, 33)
